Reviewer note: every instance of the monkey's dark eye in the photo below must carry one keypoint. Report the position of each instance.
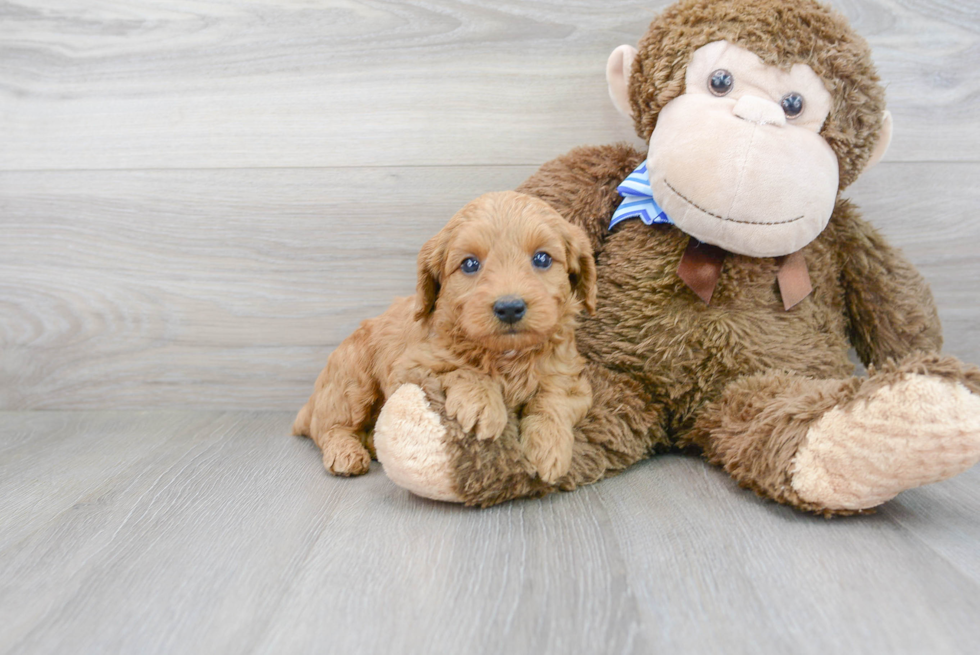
(541, 260)
(470, 265)
(792, 104)
(721, 82)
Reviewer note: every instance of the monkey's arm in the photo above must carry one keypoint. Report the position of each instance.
(581, 185)
(890, 308)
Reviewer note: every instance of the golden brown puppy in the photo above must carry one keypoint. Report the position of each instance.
(492, 324)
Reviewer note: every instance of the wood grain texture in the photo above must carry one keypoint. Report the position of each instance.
(227, 289)
(199, 200)
(212, 532)
(204, 288)
(155, 84)
(746, 571)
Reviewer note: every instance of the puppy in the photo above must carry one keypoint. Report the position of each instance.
(492, 325)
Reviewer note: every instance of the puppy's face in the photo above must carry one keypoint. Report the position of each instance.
(506, 272)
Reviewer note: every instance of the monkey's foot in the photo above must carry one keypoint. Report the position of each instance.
(917, 430)
(410, 442)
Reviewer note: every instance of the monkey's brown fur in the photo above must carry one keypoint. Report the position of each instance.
(448, 339)
(741, 378)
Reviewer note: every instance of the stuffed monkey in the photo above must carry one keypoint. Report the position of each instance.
(732, 280)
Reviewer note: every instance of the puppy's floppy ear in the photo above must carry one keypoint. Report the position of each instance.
(581, 264)
(429, 275)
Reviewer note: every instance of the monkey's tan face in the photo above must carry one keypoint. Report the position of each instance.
(737, 160)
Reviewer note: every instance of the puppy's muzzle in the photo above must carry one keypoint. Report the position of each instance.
(509, 309)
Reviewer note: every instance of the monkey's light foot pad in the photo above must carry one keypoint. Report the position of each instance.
(409, 440)
(908, 434)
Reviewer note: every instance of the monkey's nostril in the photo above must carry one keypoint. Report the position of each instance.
(509, 309)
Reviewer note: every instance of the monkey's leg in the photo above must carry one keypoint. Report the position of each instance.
(431, 456)
(841, 446)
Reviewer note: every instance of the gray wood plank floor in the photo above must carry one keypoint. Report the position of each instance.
(214, 532)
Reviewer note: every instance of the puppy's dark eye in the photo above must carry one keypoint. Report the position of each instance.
(792, 104)
(721, 82)
(470, 265)
(541, 260)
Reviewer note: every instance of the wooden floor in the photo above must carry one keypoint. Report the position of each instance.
(214, 532)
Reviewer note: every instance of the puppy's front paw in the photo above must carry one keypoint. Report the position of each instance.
(460, 408)
(493, 419)
(477, 408)
(346, 457)
(548, 446)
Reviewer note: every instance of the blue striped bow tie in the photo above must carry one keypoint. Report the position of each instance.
(700, 266)
(638, 200)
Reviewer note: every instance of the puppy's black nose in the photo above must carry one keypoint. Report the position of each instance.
(509, 309)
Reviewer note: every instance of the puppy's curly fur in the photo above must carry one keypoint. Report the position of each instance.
(454, 337)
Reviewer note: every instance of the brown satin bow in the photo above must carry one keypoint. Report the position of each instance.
(700, 269)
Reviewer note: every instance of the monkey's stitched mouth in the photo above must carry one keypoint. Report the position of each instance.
(723, 218)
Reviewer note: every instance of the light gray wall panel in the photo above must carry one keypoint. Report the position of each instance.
(199, 200)
(158, 84)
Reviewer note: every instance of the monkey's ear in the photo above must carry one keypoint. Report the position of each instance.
(581, 265)
(884, 138)
(429, 273)
(618, 70)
